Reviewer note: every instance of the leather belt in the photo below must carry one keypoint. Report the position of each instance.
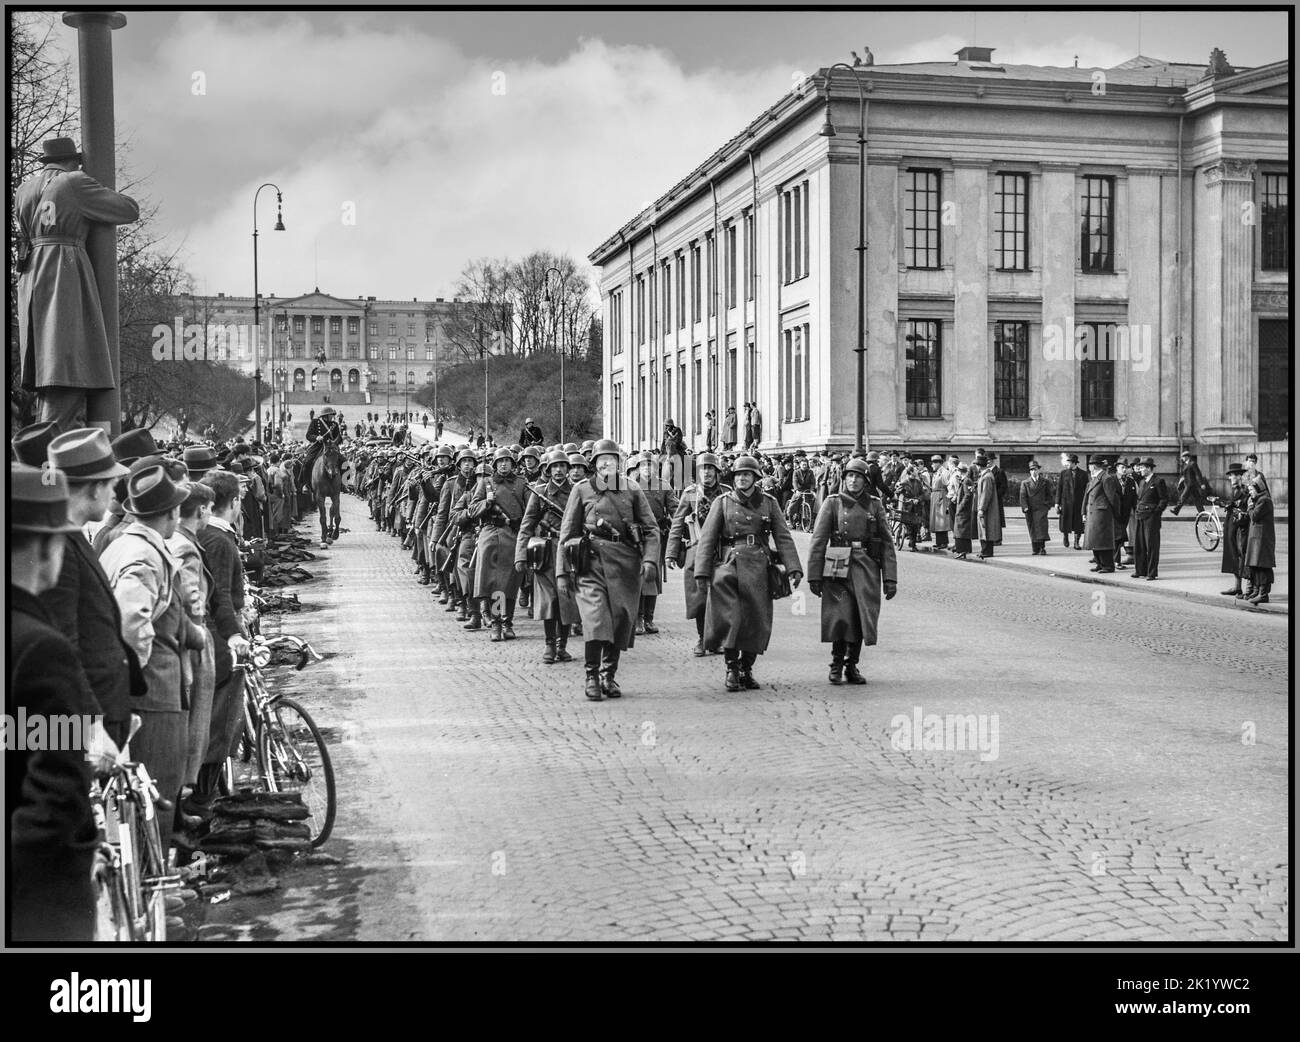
(56, 240)
(749, 540)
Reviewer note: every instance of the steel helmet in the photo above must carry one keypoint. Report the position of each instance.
(500, 454)
(856, 466)
(533, 451)
(465, 454)
(634, 461)
(605, 447)
(746, 463)
(442, 452)
(555, 456)
(706, 459)
(586, 445)
(570, 447)
(577, 459)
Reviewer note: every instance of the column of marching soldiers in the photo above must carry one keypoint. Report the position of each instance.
(580, 539)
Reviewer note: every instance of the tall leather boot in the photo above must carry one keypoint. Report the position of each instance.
(837, 663)
(548, 656)
(496, 622)
(475, 614)
(1235, 591)
(851, 674)
(732, 682)
(592, 689)
(747, 680)
(508, 624)
(608, 667)
(648, 613)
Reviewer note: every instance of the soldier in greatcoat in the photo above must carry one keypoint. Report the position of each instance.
(497, 506)
(537, 548)
(452, 536)
(663, 503)
(684, 536)
(852, 555)
(732, 563)
(609, 531)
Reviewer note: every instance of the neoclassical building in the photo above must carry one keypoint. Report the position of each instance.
(1057, 259)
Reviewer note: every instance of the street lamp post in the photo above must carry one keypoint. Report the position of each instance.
(559, 341)
(257, 312)
(828, 130)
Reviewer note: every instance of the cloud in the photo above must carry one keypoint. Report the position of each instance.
(444, 156)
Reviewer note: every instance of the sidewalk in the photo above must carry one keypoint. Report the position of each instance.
(1185, 569)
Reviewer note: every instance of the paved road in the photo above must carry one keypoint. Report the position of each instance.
(485, 799)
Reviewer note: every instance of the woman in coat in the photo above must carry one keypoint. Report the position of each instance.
(1261, 541)
(731, 563)
(854, 526)
(961, 490)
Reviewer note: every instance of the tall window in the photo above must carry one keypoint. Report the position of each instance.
(372, 328)
(1096, 348)
(616, 322)
(1097, 225)
(681, 392)
(695, 282)
(749, 255)
(640, 309)
(282, 324)
(730, 399)
(336, 324)
(1011, 370)
(428, 352)
(712, 274)
(653, 397)
(1274, 214)
(354, 326)
(922, 355)
(428, 331)
(796, 372)
(731, 266)
(794, 232)
(392, 351)
(616, 416)
(299, 323)
(697, 392)
(921, 219)
(681, 291)
(1011, 222)
(410, 329)
(640, 403)
(317, 324)
(668, 390)
(392, 329)
(751, 367)
(668, 297)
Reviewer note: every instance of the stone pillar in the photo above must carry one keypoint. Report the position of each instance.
(1056, 388)
(1226, 395)
(966, 373)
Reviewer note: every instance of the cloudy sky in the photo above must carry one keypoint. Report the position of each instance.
(465, 134)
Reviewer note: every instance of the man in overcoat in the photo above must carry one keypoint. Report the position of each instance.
(1101, 510)
(1035, 503)
(988, 509)
(497, 507)
(611, 514)
(541, 521)
(852, 520)
(62, 339)
(1152, 498)
(662, 498)
(1069, 499)
(1236, 529)
(940, 504)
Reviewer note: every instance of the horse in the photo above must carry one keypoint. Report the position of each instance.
(326, 486)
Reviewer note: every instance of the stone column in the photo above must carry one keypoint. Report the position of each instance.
(965, 396)
(1055, 391)
(1228, 379)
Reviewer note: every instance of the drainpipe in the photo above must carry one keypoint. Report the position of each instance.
(753, 266)
(631, 306)
(654, 313)
(717, 310)
(1178, 294)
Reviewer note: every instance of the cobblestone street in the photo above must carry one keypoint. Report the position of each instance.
(1136, 790)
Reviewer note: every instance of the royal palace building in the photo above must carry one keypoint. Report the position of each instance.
(1056, 259)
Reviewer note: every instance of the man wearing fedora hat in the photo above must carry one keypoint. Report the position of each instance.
(1152, 498)
(1035, 503)
(52, 833)
(62, 339)
(145, 577)
(81, 603)
(29, 445)
(1070, 487)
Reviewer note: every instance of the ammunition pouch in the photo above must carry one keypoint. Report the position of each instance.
(540, 553)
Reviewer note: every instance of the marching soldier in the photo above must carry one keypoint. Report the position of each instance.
(536, 550)
(663, 502)
(684, 536)
(579, 467)
(851, 554)
(450, 534)
(731, 564)
(498, 506)
(611, 546)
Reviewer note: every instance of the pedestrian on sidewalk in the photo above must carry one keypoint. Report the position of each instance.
(1035, 503)
(612, 517)
(1192, 486)
(1236, 529)
(1152, 498)
(1261, 541)
(1070, 487)
(988, 509)
(1123, 523)
(732, 564)
(851, 557)
(1101, 508)
(961, 490)
(940, 504)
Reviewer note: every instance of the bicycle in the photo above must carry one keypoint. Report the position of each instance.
(1209, 526)
(132, 874)
(280, 748)
(800, 512)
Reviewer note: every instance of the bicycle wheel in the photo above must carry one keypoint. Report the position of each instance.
(242, 770)
(294, 758)
(900, 534)
(805, 517)
(129, 866)
(1207, 532)
(152, 860)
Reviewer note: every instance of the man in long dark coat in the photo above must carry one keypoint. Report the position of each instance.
(1236, 529)
(1069, 500)
(1035, 503)
(1101, 510)
(684, 535)
(614, 515)
(1261, 541)
(1152, 498)
(1127, 499)
(498, 506)
(62, 340)
(663, 504)
(541, 521)
(852, 520)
